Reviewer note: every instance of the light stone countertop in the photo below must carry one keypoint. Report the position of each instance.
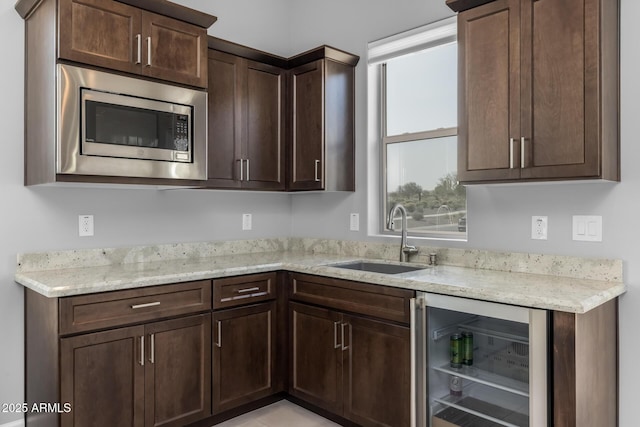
(545, 291)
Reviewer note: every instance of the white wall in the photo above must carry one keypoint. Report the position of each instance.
(499, 217)
(41, 219)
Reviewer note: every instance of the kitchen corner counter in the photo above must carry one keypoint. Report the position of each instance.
(545, 291)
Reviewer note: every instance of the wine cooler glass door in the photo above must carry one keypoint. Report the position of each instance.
(486, 364)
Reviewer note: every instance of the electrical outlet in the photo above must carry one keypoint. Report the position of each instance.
(539, 227)
(246, 222)
(354, 222)
(85, 225)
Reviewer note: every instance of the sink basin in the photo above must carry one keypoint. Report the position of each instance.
(378, 267)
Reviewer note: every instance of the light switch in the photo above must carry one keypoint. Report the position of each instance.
(587, 228)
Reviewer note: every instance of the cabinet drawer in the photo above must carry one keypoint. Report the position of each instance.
(235, 291)
(372, 300)
(97, 311)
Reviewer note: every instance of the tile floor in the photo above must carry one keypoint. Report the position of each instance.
(279, 414)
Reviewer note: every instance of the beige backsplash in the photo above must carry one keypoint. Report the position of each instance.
(555, 265)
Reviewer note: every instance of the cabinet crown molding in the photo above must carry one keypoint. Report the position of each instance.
(462, 5)
(321, 52)
(161, 7)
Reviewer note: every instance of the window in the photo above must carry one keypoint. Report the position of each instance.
(418, 129)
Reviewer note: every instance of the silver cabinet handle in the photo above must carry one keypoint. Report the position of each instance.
(142, 350)
(148, 51)
(522, 152)
(342, 325)
(149, 304)
(139, 43)
(242, 291)
(152, 359)
(248, 179)
(316, 175)
(335, 335)
(219, 343)
(241, 169)
(511, 141)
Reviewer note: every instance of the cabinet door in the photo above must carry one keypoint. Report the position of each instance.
(174, 50)
(178, 371)
(224, 120)
(489, 92)
(377, 375)
(264, 130)
(560, 92)
(102, 377)
(101, 33)
(307, 145)
(244, 355)
(316, 357)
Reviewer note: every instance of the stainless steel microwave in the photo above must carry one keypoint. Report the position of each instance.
(113, 125)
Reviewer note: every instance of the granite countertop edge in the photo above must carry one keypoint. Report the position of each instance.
(523, 289)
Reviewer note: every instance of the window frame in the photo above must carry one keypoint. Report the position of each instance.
(403, 46)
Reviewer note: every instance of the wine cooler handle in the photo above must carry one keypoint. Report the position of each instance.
(412, 305)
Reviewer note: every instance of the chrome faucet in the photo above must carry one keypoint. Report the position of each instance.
(405, 250)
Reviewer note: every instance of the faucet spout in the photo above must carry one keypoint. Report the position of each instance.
(405, 249)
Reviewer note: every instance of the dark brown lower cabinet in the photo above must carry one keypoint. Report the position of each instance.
(316, 356)
(178, 371)
(585, 367)
(102, 379)
(150, 375)
(377, 373)
(244, 352)
(354, 367)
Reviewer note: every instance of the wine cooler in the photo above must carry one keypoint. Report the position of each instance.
(479, 364)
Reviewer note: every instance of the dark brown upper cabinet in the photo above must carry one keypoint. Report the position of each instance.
(538, 90)
(246, 120)
(134, 36)
(322, 139)
(281, 124)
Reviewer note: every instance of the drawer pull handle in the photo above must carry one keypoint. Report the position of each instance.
(142, 350)
(242, 291)
(149, 304)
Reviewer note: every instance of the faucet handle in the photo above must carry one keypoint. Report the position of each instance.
(409, 249)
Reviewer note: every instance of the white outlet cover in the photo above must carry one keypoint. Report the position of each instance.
(354, 222)
(539, 227)
(85, 225)
(246, 222)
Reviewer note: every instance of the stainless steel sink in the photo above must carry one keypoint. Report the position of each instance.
(378, 267)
